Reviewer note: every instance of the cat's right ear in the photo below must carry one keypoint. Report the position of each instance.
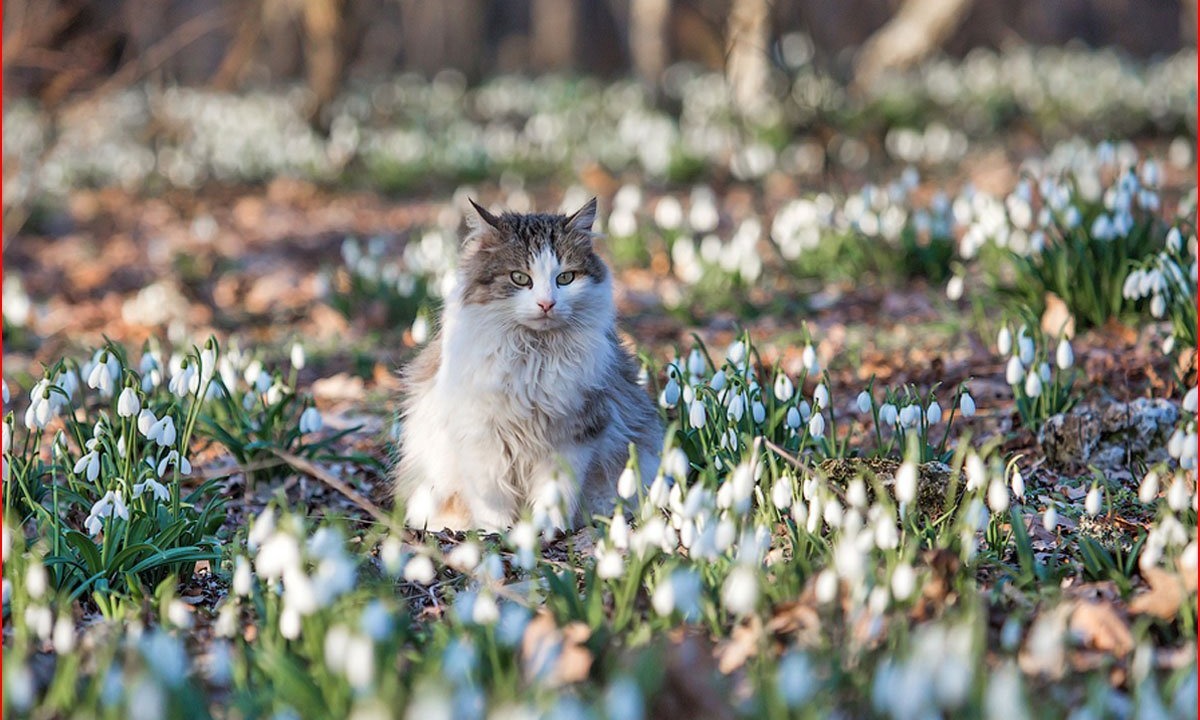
(482, 218)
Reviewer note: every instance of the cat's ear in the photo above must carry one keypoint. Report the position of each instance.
(581, 220)
(482, 218)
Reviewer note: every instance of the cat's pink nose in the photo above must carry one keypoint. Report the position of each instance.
(546, 305)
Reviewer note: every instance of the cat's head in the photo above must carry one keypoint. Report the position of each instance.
(538, 271)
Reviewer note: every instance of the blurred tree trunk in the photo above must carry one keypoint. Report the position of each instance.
(324, 55)
(553, 25)
(241, 51)
(746, 40)
(443, 34)
(648, 38)
(917, 29)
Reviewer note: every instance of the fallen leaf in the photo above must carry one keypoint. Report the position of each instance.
(552, 656)
(1057, 320)
(741, 645)
(1165, 596)
(1099, 626)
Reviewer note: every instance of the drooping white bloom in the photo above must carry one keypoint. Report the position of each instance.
(966, 405)
(310, 421)
(758, 412)
(864, 402)
(484, 610)
(1026, 350)
(826, 586)
(243, 578)
(111, 505)
(1189, 401)
(173, 458)
(740, 591)
(697, 415)
(419, 569)
(1092, 503)
(627, 483)
(1148, 490)
(934, 414)
(1018, 484)
(821, 397)
(736, 408)
(157, 489)
(997, 496)
(128, 404)
(1004, 340)
(163, 432)
(1014, 372)
(89, 466)
(906, 482)
(670, 393)
(1050, 518)
(793, 418)
(1033, 385)
(904, 581)
(784, 389)
(1158, 305)
(888, 414)
(695, 363)
(816, 426)
(718, 381)
(736, 353)
(1064, 357)
(808, 356)
(299, 360)
(781, 492)
(954, 288)
(1177, 494)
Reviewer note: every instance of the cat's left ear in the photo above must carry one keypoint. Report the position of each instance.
(583, 218)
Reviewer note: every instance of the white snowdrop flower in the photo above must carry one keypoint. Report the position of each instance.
(1064, 357)
(1025, 350)
(1004, 340)
(163, 432)
(279, 554)
(310, 421)
(36, 581)
(740, 591)
(833, 513)
(816, 426)
(997, 496)
(864, 402)
(808, 356)
(181, 382)
(856, 493)
(1174, 240)
(298, 358)
(1148, 490)
(793, 418)
(1178, 495)
(781, 492)
(783, 389)
(173, 458)
(1050, 518)
(1033, 385)
(157, 489)
(145, 421)
(954, 288)
(1102, 227)
(419, 569)
(718, 381)
(609, 564)
(670, 394)
(933, 415)
(676, 464)
(966, 405)
(695, 363)
(888, 414)
(1072, 217)
(668, 213)
(1189, 401)
(1018, 484)
(99, 377)
(886, 533)
(800, 514)
(64, 634)
(128, 404)
(906, 482)
(4, 391)
(618, 531)
(1175, 443)
(484, 611)
(1092, 503)
(976, 472)
(904, 581)
(1158, 305)
(805, 410)
(179, 614)
(464, 557)
(243, 577)
(821, 397)
(627, 483)
(910, 415)
(736, 353)
(289, 623)
(826, 586)
(697, 415)
(1014, 372)
(89, 466)
(736, 408)
(758, 412)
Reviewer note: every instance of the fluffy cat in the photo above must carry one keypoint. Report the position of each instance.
(525, 397)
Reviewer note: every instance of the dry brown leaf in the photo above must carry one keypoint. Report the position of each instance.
(741, 645)
(1165, 596)
(1099, 626)
(797, 618)
(1057, 319)
(552, 656)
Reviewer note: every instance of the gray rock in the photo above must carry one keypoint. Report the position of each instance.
(1111, 436)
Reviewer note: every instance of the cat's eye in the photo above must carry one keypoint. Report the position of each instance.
(565, 278)
(521, 279)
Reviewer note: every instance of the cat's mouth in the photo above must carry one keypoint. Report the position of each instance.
(543, 322)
